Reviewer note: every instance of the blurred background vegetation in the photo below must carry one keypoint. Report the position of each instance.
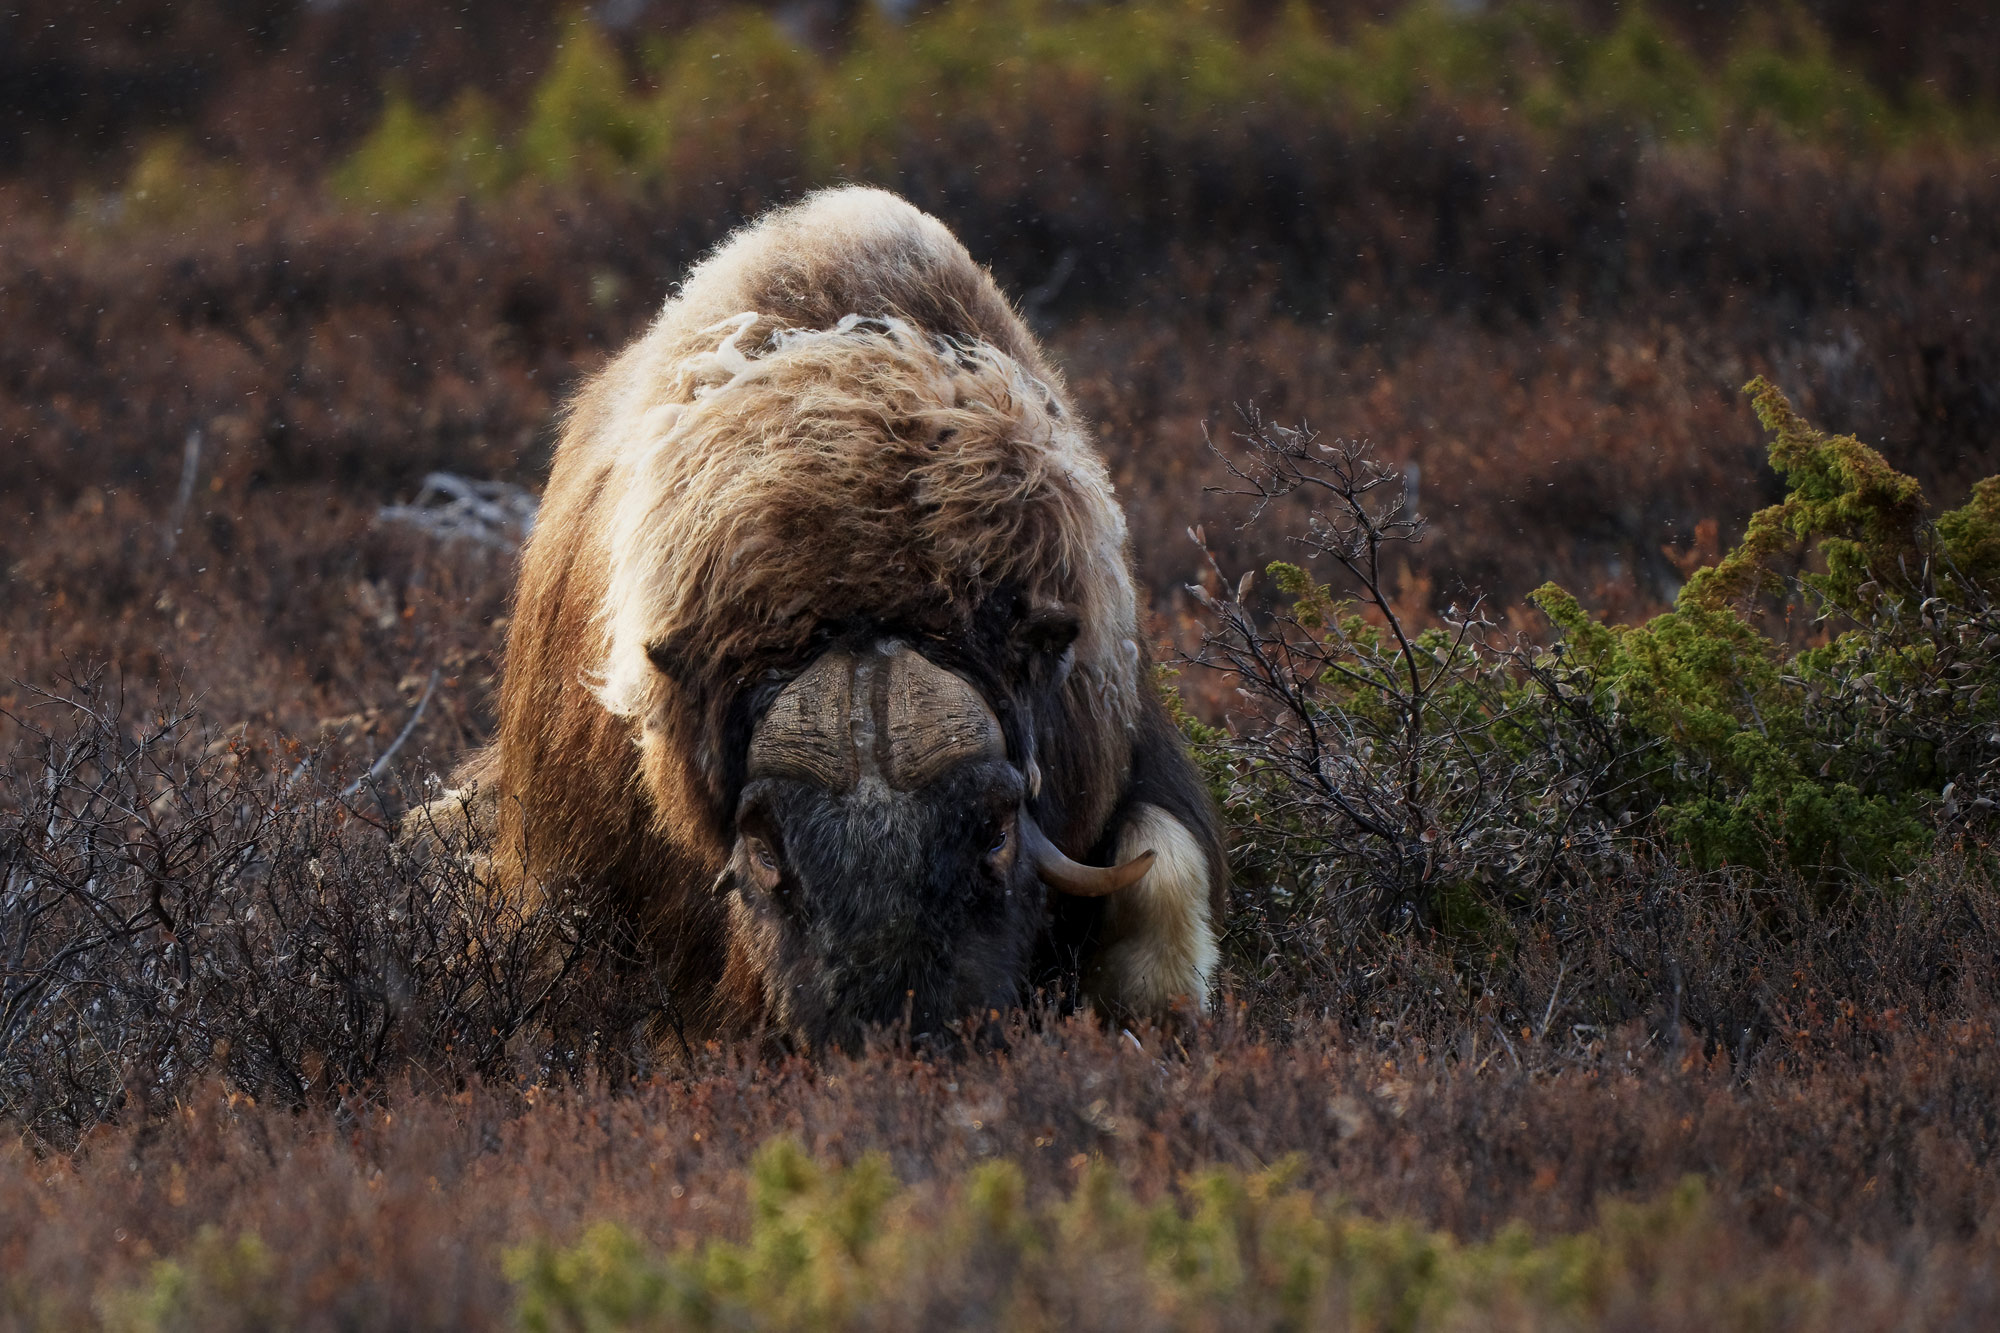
(450, 96)
(1531, 249)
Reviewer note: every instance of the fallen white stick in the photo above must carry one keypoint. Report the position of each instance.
(381, 765)
(448, 506)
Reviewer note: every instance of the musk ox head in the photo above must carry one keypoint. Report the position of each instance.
(886, 868)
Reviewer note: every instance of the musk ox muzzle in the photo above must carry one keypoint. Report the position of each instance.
(887, 867)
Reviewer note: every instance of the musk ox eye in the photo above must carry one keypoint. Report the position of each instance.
(763, 862)
(1000, 841)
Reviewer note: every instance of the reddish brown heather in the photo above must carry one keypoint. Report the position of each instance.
(1872, 1177)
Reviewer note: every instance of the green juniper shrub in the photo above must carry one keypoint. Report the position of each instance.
(728, 99)
(410, 156)
(1784, 71)
(1841, 757)
(1375, 774)
(400, 160)
(1640, 79)
(582, 122)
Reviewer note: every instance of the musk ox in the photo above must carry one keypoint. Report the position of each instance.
(825, 666)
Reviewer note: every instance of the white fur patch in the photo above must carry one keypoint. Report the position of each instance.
(1159, 942)
(728, 360)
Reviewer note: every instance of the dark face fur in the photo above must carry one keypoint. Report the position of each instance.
(886, 867)
(875, 907)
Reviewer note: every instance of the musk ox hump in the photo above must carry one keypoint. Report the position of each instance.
(889, 714)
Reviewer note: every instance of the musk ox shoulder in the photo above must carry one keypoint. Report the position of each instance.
(825, 666)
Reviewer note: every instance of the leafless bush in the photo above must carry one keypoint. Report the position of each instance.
(1376, 768)
(170, 909)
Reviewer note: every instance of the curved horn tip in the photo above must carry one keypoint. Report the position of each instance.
(1059, 872)
(1102, 881)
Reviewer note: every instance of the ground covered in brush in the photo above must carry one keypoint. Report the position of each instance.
(1645, 976)
(1611, 756)
(1331, 1180)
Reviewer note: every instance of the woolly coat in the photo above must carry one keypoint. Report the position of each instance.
(837, 421)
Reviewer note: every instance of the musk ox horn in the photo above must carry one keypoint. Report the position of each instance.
(934, 720)
(887, 713)
(1073, 877)
(808, 731)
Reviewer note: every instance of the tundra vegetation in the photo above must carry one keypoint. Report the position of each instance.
(1609, 752)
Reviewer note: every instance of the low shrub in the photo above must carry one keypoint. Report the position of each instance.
(410, 156)
(1846, 754)
(849, 1248)
(175, 905)
(1379, 770)
(1771, 793)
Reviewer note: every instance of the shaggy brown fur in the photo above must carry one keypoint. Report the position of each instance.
(839, 421)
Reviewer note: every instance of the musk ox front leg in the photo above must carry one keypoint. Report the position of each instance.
(1158, 937)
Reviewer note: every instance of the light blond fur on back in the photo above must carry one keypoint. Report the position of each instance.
(867, 469)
